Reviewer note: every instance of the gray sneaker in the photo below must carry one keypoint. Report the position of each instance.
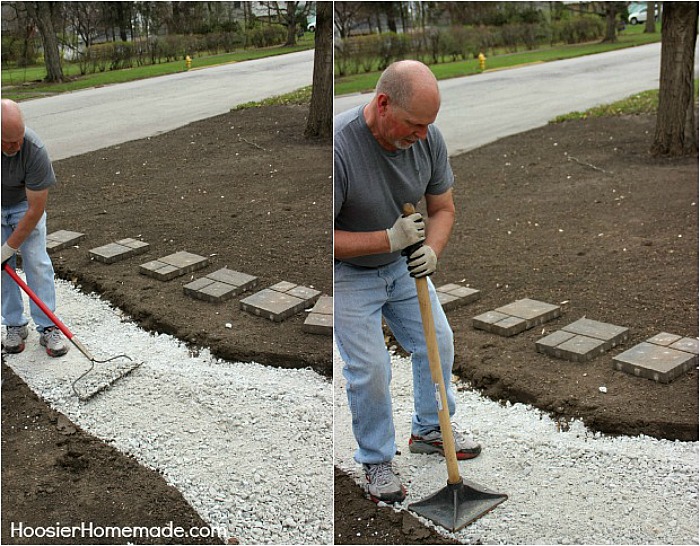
(51, 339)
(14, 341)
(382, 484)
(465, 447)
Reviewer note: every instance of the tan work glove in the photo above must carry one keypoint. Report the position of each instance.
(422, 261)
(406, 231)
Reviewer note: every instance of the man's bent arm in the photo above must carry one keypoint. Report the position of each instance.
(441, 218)
(37, 204)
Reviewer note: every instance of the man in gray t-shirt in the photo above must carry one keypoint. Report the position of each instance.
(27, 175)
(388, 153)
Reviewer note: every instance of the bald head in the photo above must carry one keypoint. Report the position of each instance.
(407, 82)
(12, 127)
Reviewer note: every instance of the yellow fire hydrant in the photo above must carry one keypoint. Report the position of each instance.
(482, 61)
(188, 62)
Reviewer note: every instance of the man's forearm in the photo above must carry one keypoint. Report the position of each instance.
(438, 230)
(36, 201)
(24, 227)
(350, 244)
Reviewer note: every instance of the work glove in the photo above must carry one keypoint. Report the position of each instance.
(7, 253)
(406, 231)
(422, 261)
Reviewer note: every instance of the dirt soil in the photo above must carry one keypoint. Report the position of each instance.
(574, 214)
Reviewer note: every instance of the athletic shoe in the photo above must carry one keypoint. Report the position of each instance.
(383, 484)
(432, 443)
(53, 342)
(14, 341)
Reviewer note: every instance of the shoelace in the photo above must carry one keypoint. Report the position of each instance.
(381, 473)
(52, 335)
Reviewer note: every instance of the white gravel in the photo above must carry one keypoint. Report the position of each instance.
(575, 487)
(248, 446)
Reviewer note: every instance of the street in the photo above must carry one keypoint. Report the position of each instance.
(75, 123)
(480, 109)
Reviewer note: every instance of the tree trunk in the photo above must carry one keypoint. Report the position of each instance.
(650, 26)
(320, 122)
(291, 24)
(40, 12)
(676, 131)
(610, 23)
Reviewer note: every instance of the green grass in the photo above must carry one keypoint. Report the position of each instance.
(300, 96)
(646, 102)
(14, 88)
(631, 37)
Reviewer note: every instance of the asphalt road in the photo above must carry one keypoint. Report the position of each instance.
(83, 121)
(480, 109)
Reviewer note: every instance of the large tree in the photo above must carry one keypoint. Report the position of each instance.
(676, 131)
(650, 25)
(42, 15)
(320, 121)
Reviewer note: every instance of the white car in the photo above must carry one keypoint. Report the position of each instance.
(640, 16)
(311, 27)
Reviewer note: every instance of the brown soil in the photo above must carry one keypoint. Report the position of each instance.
(612, 232)
(244, 189)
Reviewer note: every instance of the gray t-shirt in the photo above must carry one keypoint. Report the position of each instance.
(371, 184)
(29, 169)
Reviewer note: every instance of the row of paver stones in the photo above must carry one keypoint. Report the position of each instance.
(276, 303)
(661, 358)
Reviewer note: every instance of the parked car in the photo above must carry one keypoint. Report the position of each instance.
(640, 16)
(311, 27)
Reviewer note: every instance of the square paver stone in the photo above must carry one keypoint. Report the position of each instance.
(453, 295)
(114, 252)
(516, 317)
(582, 340)
(58, 240)
(173, 265)
(320, 319)
(660, 358)
(220, 285)
(280, 301)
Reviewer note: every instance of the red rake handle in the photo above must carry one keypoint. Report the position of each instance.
(66, 332)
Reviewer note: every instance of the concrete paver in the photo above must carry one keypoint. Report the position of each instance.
(516, 317)
(661, 358)
(63, 238)
(173, 265)
(582, 340)
(320, 319)
(221, 285)
(119, 250)
(280, 301)
(453, 295)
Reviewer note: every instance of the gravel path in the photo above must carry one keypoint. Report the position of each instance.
(248, 446)
(574, 487)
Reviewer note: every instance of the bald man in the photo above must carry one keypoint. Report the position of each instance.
(27, 175)
(388, 153)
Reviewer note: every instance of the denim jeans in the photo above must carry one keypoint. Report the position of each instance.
(361, 297)
(37, 267)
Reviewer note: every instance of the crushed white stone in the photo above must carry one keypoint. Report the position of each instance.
(248, 446)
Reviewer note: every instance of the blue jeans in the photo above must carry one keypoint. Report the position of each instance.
(361, 297)
(37, 267)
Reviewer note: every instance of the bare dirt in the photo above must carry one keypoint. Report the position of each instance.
(575, 214)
